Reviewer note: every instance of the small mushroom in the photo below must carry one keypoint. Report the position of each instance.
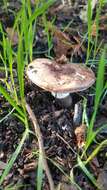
(60, 79)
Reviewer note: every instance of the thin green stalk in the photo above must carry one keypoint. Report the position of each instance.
(13, 158)
(99, 89)
(20, 68)
(96, 150)
(4, 57)
(86, 171)
(11, 100)
(97, 25)
(40, 171)
(5, 2)
(10, 60)
(89, 18)
(40, 10)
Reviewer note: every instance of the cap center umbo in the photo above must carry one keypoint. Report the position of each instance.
(59, 70)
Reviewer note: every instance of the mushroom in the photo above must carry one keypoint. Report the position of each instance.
(60, 79)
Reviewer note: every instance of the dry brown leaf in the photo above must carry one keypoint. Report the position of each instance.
(66, 45)
(80, 135)
(94, 29)
(56, 8)
(12, 35)
(102, 25)
(62, 43)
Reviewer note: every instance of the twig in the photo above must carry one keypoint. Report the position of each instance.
(66, 143)
(41, 146)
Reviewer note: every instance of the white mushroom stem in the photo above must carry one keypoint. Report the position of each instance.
(60, 95)
(64, 98)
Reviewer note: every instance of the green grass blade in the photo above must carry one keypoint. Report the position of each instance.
(20, 117)
(6, 116)
(99, 90)
(3, 44)
(11, 101)
(10, 60)
(13, 158)
(31, 34)
(24, 29)
(92, 137)
(89, 18)
(20, 68)
(40, 10)
(97, 25)
(87, 173)
(29, 8)
(5, 66)
(40, 172)
(100, 80)
(95, 152)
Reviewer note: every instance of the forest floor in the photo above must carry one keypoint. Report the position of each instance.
(56, 122)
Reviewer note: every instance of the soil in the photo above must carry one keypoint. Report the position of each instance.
(55, 121)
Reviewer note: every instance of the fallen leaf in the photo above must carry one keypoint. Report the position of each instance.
(12, 35)
(102, 25)
(101, 28)
(62, 43)
(67, 45)
(80, 135)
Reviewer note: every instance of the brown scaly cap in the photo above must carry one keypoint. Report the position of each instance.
(55, 77)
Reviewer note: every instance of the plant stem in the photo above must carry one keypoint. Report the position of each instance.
(41, 146)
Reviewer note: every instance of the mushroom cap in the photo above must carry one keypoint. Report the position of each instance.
(54, 77)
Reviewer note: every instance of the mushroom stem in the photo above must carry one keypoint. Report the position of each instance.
(66, 102)
(64, 98)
